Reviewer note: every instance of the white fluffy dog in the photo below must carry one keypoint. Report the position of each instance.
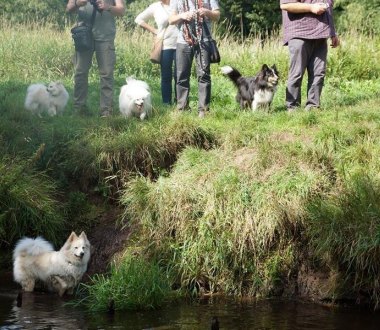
(51, 98)
(135, 99)
(60, 271)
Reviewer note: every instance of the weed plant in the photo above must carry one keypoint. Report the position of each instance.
(132, 285)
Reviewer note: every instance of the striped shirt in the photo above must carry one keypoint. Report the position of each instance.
(308, 25)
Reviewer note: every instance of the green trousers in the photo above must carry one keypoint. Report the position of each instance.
(105, 57)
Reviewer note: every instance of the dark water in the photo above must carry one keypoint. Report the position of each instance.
(46, 311)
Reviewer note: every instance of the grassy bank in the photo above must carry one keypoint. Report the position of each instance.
(237, 203)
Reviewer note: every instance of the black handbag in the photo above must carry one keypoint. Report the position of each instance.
(82, 35)
(213, 50)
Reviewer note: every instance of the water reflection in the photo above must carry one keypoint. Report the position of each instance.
(46, 311)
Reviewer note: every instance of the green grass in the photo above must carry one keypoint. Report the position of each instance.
(235, 203)
(132, 285)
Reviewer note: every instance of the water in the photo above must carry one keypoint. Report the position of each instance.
(47, 311)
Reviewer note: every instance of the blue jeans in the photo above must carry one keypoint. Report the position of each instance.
(167, 75)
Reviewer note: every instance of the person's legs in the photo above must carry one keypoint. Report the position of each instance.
(204, 77)
(184, 59)
(316, 73)
(298, 61)
(106, 58)
(82, 64)
(167, 59)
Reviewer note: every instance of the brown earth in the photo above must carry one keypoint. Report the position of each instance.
(107, 239)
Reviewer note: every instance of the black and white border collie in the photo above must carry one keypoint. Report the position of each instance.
(257, 91)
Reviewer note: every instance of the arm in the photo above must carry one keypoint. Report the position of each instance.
(213, 15)
(148, 27)
(73, 5)
(187, 16)
(299, 8)
(176, 18)
(143, 17)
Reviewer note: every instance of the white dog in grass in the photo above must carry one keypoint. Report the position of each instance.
(52, 98)
(135, 99)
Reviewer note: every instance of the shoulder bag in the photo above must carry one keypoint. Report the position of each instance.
(214, 51)
(82, 35)
(155, 54)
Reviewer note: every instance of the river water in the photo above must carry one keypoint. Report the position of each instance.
(47, 311)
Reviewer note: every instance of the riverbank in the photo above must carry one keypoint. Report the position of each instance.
(240, 203)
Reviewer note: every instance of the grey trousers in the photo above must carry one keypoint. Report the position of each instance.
(106, 58)
(184, 59)
(307, 55)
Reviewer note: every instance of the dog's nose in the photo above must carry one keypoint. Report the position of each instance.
(82, 254)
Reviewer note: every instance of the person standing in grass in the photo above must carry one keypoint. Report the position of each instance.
(190, 17)
(160, 11)
(103, 30)
(307, 25)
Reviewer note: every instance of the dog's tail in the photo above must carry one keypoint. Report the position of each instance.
(31, 247)
(231, 73)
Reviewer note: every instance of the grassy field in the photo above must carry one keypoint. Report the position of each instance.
(236, 203)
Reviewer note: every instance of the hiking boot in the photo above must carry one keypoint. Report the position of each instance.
(201, 113)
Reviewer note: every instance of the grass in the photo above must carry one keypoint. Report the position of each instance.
(235, 203)
(126, 288)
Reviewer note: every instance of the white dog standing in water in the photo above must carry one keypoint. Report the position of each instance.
(135, 99)
(60, 271)
(52, 98)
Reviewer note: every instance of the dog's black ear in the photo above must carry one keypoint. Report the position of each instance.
(264, 67)
(274, 68)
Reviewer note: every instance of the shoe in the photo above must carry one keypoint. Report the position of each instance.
(291, 110)
(201, 114)
(82, 110)
(105, 113)
(310, 107)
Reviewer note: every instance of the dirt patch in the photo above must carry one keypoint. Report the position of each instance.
(107, 239)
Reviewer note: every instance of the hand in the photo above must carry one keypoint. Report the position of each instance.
(318, 8)
(204, 12)
(81, 3)
(188, 15)
(335, 42)
(102, 5)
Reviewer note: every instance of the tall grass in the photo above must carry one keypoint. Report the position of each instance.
(28, 204)
(132, 285)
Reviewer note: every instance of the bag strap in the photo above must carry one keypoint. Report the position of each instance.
(163, 33)
(207, 30)
(93, 16)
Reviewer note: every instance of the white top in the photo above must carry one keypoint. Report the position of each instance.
(160, 12)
